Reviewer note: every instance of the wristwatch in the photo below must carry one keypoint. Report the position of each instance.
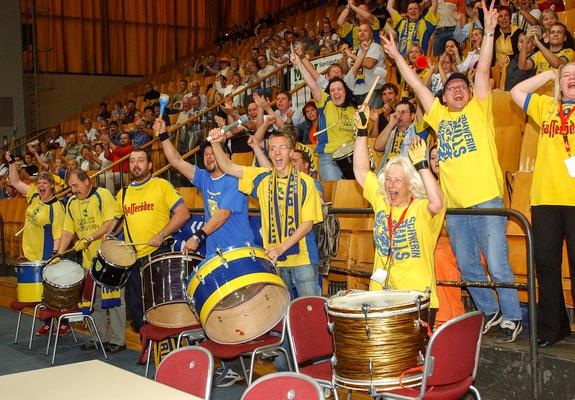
(196, 239)
(162, 234)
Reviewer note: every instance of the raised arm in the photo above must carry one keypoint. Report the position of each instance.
(13, 176)
(365, 14)
(552, 59)
(423, 92)
(309, 81)
(483, 70)
(390, 6)
(44, 165)
(383, 137)
(522, 89)
(173, 156)
(258, 152)
(433, 8)
(360, 153)
(417, 154)
(227, 165)
(524, 63)
(343, 15)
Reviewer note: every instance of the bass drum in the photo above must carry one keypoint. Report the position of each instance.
(63, 284)
(164, 290)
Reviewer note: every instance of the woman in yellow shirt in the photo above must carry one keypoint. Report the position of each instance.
(552, 193)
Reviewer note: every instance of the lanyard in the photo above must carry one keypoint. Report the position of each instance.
(564, 129)
(392, 229)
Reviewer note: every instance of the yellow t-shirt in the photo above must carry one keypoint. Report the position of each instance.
(45, 221)
(541, 64)
(504, 47)
(348, 32)
(412, 251)
(339, 120)
(147, 208)
(470, 171)
(552, 184)
(256, 182)
(84, 217)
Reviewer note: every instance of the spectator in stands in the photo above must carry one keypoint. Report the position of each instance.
(471, 178)
(328, 37)
(308, 128)
(224, 66)
(72, 149)
(237, 138)
(366, 75)
(523, 50)
(104, 114)
(193, 132)
(322, 80)
(398, 135)
(233, 87)
(106, 178)
(560, 50)
(114, 132)
(548, 18)
(130, 113)
(179, 95)
(405, 191)
(472, 56)
(380, 118)
(552, 196)
(446, 23)
(335, 127)
(29, 166)
(89, 130)
(441, 72)
(211, 66)
(349, 31)
(235, 68)
(89, 160)
(118, 112)
(55, 140)
(503, 45)
(302, 161)
(151, 93)
(195, 91)
(142, 134)
(114, 153)
(413, 28)
(251, 73)
(417, 62)
(526, 15)
(271, 82)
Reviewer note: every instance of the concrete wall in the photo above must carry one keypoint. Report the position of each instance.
(62, 95)
(11, 84)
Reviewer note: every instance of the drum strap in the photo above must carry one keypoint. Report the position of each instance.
(123, 218)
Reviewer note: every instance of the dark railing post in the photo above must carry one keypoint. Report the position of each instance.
(4, 266)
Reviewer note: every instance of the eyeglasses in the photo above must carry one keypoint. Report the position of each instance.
(281, 148)
(453, 88)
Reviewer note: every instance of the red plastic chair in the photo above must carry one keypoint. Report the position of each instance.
(450, 361)
(270, 342)
(188, 369)
(284, 385)
(310, 339)
(151, 333)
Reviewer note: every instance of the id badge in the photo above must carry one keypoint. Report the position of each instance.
(570, 164)
(379, 276)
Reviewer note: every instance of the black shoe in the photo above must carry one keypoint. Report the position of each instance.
(90, 346)
(115, 348)
(543, 343)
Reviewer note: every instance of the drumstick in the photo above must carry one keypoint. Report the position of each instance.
(131, 244)
(323, 130)
(59, 255)
(379, 72)
(24, 227)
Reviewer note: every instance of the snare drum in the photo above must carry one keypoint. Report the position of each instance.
(63, 284)
(238, 295)
(29, 278)
(111, 266)
(164, 290)
(377, 337)
(343, 157)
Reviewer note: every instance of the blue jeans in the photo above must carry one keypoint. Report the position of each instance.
(304, 279)
(328, 169)
(471, 235)
(440, 36)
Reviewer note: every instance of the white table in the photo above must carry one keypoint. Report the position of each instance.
(89, 380)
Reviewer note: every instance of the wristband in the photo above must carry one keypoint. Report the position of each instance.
(164, 136)
(201, 234)
(12, 161)
(489, 34)
(362, 132)
(423, 164)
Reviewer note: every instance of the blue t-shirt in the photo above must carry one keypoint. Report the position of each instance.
(223, 193)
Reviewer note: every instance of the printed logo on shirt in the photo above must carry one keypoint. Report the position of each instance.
(405, 242)
(455, 139)
(212, 207)
(554, 127)
(134, 208)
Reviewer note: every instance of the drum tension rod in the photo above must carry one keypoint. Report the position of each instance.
(252, 252)
(365, 308)
(418, 304)
(224, 261)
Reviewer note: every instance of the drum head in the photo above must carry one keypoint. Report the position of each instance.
(344, 150)
(115, 253)
(66, 273)
(378, 301)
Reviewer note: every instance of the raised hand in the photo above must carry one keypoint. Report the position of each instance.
(417, 150)
(389, 46)
(489, 16)
(216, 136)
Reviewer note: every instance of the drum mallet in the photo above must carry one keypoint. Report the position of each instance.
(59, 255)
(24, 227)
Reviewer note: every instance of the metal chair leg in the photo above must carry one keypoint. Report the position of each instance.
(17, 327)
(73, 333)
(49, 336)
(56, 339)
(91, 321)
(36, 308)
(246, 374)
(349, 393)
(474, 390)
(148, 359)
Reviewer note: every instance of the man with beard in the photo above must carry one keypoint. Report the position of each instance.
(225, 208)
(151, 210)
(89, 217)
